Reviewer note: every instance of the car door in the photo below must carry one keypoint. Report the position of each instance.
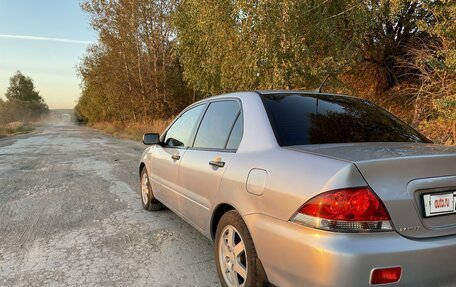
(202, 168)
(166, 158)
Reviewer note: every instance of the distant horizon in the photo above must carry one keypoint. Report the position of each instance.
(61, 109)
(46, 47)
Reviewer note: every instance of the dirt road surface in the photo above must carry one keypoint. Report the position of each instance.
(70, 214)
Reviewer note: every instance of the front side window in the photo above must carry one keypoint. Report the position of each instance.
(180, 133)
(300, 119)
(217, 124)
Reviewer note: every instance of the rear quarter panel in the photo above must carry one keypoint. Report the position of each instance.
(292, 179)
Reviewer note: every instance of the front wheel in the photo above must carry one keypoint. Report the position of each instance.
(235, 255)
(147, 196)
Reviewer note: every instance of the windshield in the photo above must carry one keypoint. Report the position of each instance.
(300, 119)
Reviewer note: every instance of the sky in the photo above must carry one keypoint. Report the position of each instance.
(45, 40)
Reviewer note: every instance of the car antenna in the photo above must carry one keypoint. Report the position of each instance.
(322, 84)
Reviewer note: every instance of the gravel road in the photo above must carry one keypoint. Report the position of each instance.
(70, 214)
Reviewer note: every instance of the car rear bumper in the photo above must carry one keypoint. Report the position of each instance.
(294, 255)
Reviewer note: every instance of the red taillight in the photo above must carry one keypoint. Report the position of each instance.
(385, 275)
(354, 204)
(347, 210)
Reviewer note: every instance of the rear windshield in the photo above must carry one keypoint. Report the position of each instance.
(300, 119)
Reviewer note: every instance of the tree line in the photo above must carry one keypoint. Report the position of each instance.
(23, 102)
(154, 57)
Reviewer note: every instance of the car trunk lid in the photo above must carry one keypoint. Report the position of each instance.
(403, 175)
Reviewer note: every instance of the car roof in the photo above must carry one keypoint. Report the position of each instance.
(304, 92)
(268, 92)
(271, 92)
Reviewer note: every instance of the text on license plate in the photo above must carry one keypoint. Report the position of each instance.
(440, 203)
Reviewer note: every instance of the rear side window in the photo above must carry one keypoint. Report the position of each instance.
(236, 134)
(180, 133)
(300, 119)
(291, 117)
(217, 124)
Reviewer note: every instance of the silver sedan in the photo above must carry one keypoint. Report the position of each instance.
(307, 189)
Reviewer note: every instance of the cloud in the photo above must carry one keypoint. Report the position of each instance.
(49, 39)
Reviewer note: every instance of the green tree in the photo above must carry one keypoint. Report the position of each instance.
(389, 27)
(23, 102)
(22, 88)
(237, 44)
(156, 56)
(230, 45)
(437, 62)
(133, 73)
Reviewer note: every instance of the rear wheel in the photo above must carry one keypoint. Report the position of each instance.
(236, 258)
(147, 196)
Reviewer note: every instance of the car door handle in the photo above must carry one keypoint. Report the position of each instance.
(175, 157)
(217, 163)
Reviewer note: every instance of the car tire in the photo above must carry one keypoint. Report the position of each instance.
(148, 200)
(234, 250)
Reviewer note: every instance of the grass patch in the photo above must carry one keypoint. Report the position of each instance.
(15, 128)
(133, 131)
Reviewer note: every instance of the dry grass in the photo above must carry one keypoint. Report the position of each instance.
(131, 130)
(439, 131)
(15, 128)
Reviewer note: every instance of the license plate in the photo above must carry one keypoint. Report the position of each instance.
(439, 203)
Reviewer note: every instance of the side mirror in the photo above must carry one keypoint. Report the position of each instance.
(151, 139)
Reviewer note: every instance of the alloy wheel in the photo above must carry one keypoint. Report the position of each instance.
(145, 188)
(233, 257)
